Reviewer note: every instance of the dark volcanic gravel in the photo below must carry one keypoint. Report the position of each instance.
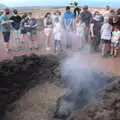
(23, 73)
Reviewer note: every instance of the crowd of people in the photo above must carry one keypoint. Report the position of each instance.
(100, 31)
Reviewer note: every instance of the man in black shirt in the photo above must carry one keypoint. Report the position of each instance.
(16, 25)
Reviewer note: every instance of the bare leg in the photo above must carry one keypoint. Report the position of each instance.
(103, 49)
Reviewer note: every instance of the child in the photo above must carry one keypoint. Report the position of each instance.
(115, 41)
(80, 32)
(106, 31)
(57, 31)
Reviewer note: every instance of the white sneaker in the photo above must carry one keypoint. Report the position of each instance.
(48, 48)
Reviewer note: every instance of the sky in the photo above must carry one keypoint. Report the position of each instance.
(91, 3)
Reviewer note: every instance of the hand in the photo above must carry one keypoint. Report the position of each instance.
(10, 21)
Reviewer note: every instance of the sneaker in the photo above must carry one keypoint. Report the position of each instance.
(48, 48)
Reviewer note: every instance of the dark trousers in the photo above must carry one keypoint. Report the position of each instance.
(6, 36)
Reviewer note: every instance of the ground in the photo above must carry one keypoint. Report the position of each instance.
(39, 102)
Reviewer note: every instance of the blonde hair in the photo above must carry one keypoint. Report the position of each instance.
(106, 19)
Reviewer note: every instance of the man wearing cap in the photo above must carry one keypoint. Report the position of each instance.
(16, 26)
(85, 17)
(5, 27)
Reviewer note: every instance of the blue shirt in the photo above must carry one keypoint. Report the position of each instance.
(68, 16)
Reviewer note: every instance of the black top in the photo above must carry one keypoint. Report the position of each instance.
(77, 11)
(16, 21)
(97, 27)
(85, 17)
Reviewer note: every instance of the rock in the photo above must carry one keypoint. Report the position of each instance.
(106, 109)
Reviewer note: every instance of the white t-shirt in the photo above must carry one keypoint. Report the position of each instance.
(115, 36)
(57, 31)
(106, 31)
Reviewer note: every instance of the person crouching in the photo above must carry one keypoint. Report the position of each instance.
(57, 32)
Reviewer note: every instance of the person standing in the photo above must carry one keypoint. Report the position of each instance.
(23, 30)
(107, 11)
(31, 27)
(106, 35)
(48, 24)
(86, 17)
(95, 32)
(57, 32)
(6, 28)
(68, 24)
(16, 26)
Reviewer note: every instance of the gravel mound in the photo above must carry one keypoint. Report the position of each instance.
(106, 109)
(22, 73)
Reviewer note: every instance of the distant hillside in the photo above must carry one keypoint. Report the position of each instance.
(2, 6)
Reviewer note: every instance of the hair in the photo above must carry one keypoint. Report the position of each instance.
(112, 11)
(58, 12)
(67, 8)
(118, 11)
(75, 3)
(7, 11)
(108, 7)
(29, 13)
(106, 19)
(117, 27)
(48, 13)
(24, 16)
(15, 11)
(85, 7)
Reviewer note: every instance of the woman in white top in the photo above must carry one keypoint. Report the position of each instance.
(48, 24)
(106, 34)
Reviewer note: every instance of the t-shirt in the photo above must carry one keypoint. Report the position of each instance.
(115, 36)
(106, 31)
(16, 21)
(85, 17)
(23, 23)
(32, 22)
(57, 30)
(97, 27)
(68, 17)
(5, 27)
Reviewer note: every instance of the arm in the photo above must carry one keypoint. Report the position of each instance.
(91, 30)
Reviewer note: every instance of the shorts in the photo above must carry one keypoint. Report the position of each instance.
(115, 44)
(32, 32)
(106, 41)
(47, 31)
(6, 36)
(23, 31)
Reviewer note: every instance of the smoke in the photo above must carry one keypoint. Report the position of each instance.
(79, 74)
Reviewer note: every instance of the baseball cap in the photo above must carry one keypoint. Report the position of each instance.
(15, 11)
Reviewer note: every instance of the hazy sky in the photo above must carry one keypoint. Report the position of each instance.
(97, 3)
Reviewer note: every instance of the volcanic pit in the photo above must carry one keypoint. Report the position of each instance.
(32, 88)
